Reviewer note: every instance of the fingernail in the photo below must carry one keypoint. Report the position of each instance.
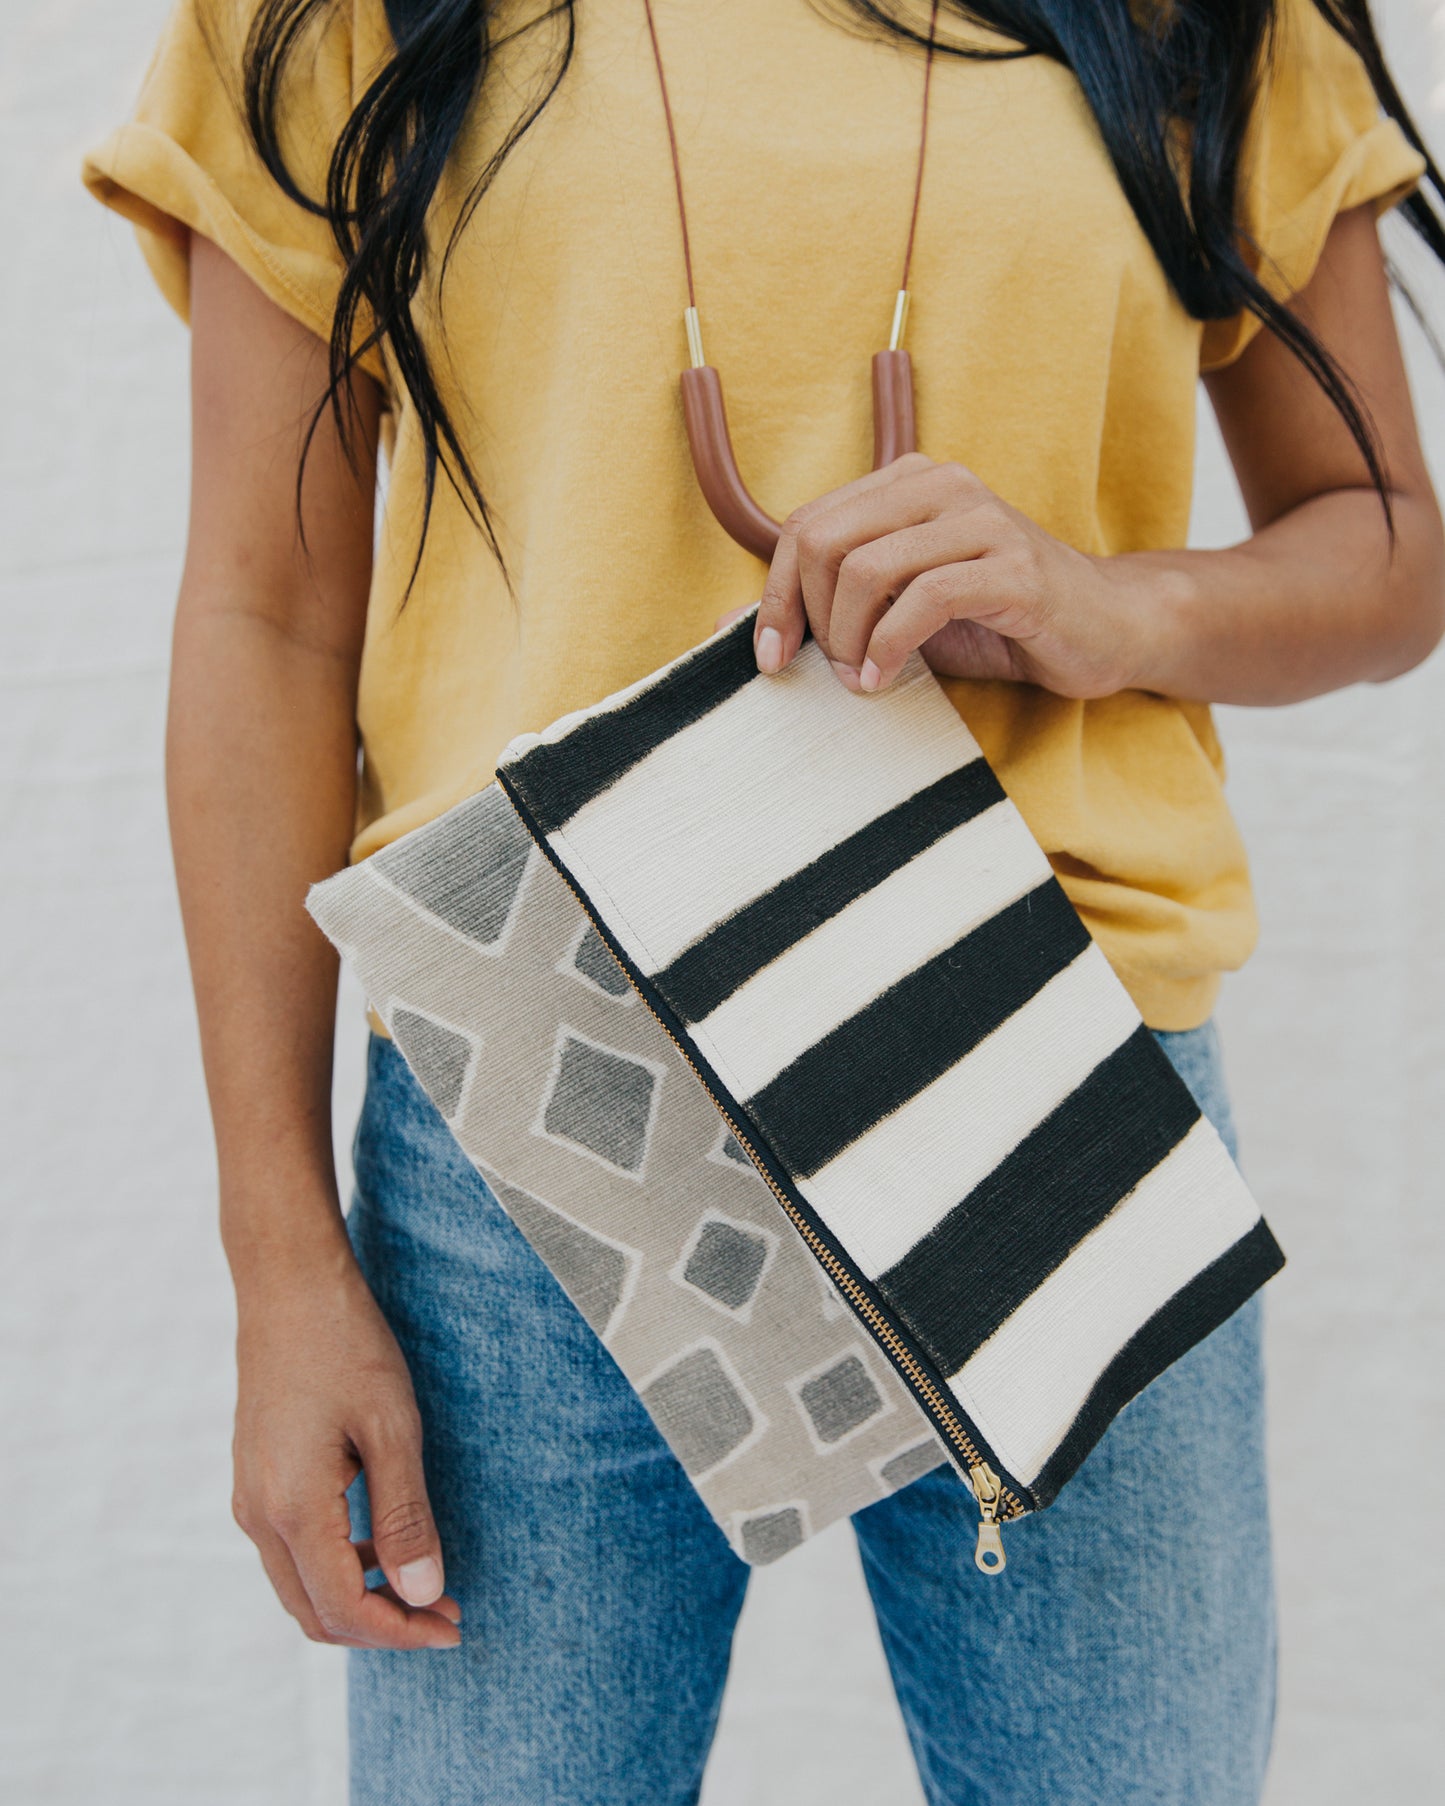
(848, 674)
(420, 1582)
(869, 676)
(770, 650)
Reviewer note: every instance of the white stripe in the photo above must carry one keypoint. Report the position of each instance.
(886, 1190)
(1029, 1381)
(720, 826)
(941, 894)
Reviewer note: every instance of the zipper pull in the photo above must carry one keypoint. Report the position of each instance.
(988, 1554)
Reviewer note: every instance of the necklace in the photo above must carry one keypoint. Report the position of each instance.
(894, 429)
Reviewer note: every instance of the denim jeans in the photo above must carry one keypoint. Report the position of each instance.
(1125, 1657)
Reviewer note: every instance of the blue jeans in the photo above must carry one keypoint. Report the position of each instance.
(1125, 1658)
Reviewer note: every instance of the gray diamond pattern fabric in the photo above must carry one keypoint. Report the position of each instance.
(726, 1263)
(580, 1113)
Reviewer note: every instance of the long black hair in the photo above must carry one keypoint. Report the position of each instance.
(1145, 70)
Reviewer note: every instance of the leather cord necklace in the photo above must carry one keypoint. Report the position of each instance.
(894, 428)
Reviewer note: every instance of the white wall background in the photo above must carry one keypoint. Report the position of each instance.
(143, 1659)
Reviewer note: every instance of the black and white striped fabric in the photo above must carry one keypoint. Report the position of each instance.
(831, 903)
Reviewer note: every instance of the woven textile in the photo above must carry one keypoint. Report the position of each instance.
(579, 1112)
(762, 1011)
(837, 912)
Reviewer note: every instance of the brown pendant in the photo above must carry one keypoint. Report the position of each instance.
(718, 476)
(894, 427)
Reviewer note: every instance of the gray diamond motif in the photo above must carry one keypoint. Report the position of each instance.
(592, 1272)
(439, 1057)
(466, 866)
(912, 1464)
(602, 1101)
(726, 1262)
(841, 1398)
(593, 959)
(772, 1534)
(732, 1149)
(699, 1410)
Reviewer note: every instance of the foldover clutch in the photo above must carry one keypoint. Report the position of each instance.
(973, 1172)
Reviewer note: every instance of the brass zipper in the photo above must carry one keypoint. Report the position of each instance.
(996, 1505)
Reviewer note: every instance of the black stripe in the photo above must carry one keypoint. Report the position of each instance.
(977, 1266)
(737, 948)
(558, 776)
(1198, 1308)
(915, 1030)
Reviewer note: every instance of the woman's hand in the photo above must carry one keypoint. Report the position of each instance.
(924, 555)
(324, 1391)
(1319, 596)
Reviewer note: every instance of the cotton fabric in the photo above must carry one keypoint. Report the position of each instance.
(867, 958)
(1051, 357)
(1124, 1658)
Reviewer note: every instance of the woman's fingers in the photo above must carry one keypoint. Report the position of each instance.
(966, 517)
(848, 534)
(931, 536)
(403, 1531)
(873, 574)
(366, 1550)
(975, 602)
(781, 624)
(927, 605)
(281, 1572)
(445, 1607)
(783, 616)
(316, 1532)
(286, 1582)
(348, 1610)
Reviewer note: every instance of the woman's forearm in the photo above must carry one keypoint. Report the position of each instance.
(261, 779)
(261, 776)
(1308, 604)
(261, 749)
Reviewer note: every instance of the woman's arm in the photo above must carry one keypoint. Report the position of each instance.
(261, 779)
(925, 555)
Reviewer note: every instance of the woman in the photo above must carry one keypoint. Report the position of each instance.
(1114, 201)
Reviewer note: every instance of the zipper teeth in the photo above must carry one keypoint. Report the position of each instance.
(1009, 1506)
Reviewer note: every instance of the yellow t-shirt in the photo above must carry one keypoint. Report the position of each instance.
(1050, 356)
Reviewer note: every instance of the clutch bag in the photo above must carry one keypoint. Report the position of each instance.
(877, 1087)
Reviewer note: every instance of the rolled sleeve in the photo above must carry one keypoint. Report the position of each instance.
(1318, 145)
(185, 161)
